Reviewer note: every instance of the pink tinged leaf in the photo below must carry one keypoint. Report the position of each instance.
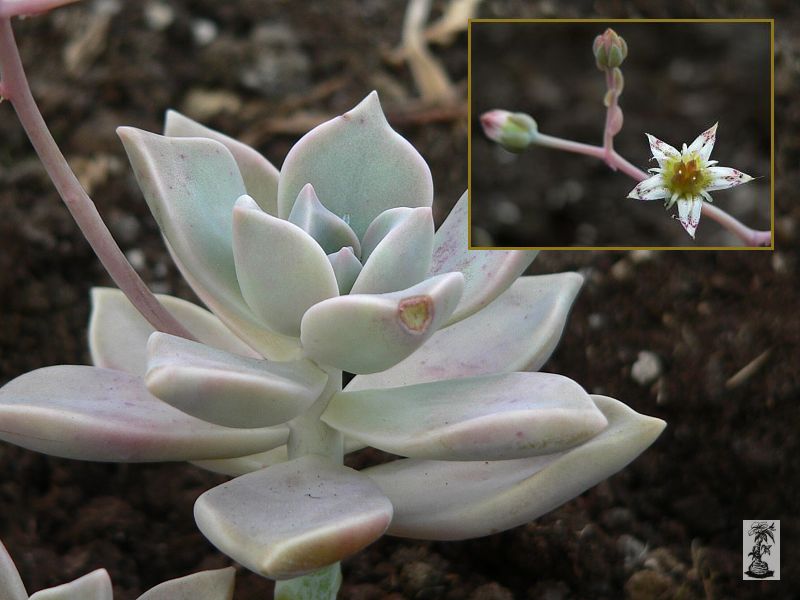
(495, 417)
(282, 270)
(366, 333)
(401, 258)
(516, 332)
(661, 151)
(205, 585)
(259, 175)
(704, 143)
(226, 389)
(724, 177)
(118, 333)
(446, 500)
(652, 188)
(359, 167)
(293, 518)
(269, 344)
(191, 185)
(24, 8)
(330, 232)
(11, 586)
(487, 273)
(87, 413)
(92, 586)
(242, 465)
(346, 268)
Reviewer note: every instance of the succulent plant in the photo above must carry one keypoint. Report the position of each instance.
(205, 585)
(330, 271)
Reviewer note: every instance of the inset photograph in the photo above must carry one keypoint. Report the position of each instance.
(626, 134)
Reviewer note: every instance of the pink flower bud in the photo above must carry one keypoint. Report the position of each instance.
(513, 131)
(609, 50)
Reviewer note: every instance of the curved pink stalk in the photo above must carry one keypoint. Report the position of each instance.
(14, 86)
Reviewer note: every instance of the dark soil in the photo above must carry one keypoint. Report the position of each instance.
(668, 526)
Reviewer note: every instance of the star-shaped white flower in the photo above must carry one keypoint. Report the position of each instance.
(686, 177)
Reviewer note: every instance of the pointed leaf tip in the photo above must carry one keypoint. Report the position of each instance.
(359, 167)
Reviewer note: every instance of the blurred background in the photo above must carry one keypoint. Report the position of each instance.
(680, 78)
(708, 341)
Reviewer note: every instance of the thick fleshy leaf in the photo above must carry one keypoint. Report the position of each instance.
(92, 586)
(516, 332)
(205, 585)
(497, 417)
(281, 269)
(118, 333)
(191, 185)
(652, 188)
(704, 143)
(270, 344)
(226, 389)
(321, 224)
(359, 167)
(402, 257)
(322, 584)
(87, 413)
(242, 465)
(11, 586)
(661, 150)
(470, 499)
(380, 228)
(723, 178)
(293, 518)
(487, 273)
(371, 332)
(260, 176)
(346, 268)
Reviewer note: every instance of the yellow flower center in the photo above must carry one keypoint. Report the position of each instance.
(686, 176)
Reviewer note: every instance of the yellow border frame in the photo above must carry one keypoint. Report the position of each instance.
(771, 119)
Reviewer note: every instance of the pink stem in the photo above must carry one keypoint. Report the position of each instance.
(751, 237)
(15, 87)
(608, 137)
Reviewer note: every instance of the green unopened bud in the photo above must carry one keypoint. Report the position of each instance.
(609, 50)
(513, 131)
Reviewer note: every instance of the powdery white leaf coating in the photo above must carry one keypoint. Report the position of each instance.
(517, 332)
(190, 185)
(114, 318)
(205, 585)
(87, 413)
(326, 228)
(366, 333)
(346, 267)
(186, 372)
(497, 417)
(380, 228)
(11, 586)
(282, 270)
(487, 273)
(470, 499)
(226, 389)
(359, 167)
(401, 258)
(270, 344)
(260, 176)
(92, 586)
(245, 464)
(293, 518)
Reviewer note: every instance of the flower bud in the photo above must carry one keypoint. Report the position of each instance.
(513, 131)
(609, 50)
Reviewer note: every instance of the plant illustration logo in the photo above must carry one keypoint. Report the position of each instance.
(761, 549)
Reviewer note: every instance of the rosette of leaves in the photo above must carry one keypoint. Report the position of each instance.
(205, 585)
(329, 267)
